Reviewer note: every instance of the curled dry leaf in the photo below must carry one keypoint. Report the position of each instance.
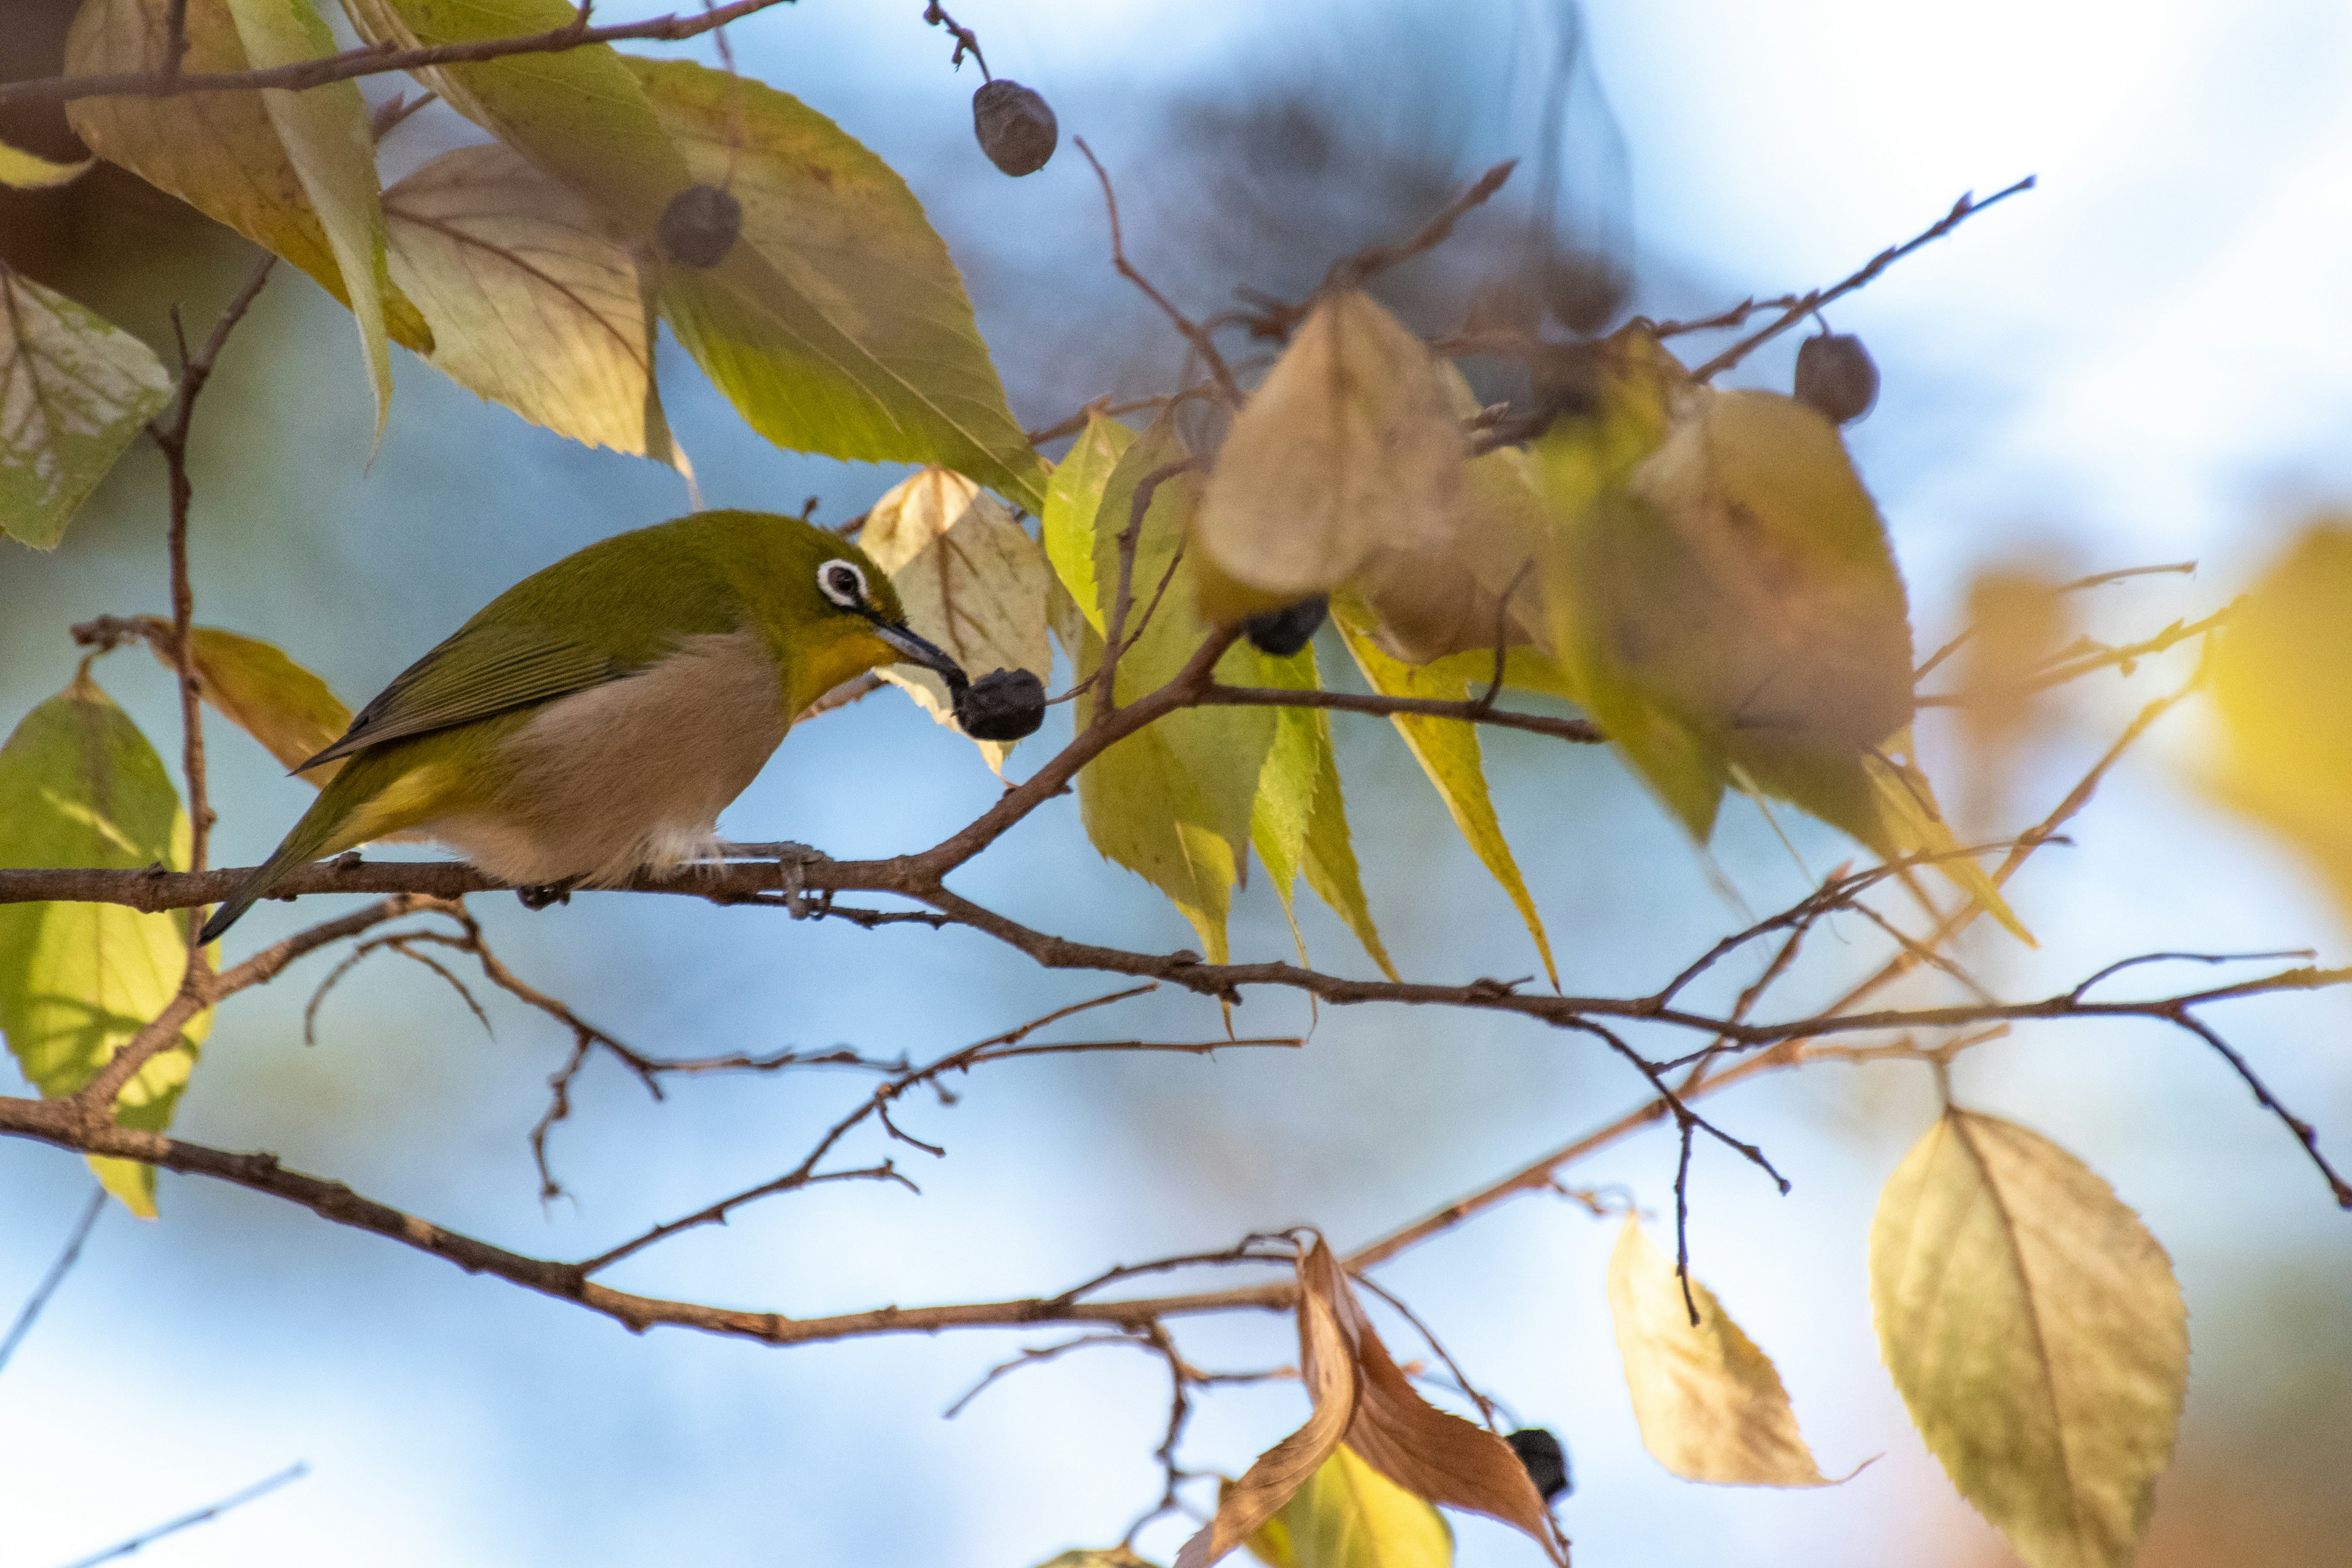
(533, 301)
(2282, 687)
(2037, 1335)
(1349, 446)
(255, 687)
(79, 785)
(1363, 1398)
(972, 579)
(75, 390)
(1710, 1404)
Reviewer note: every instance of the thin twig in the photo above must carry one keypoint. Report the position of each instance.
(56, 1276)
(210, 1511)
(1202, 343)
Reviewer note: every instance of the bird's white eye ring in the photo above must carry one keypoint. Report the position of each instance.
(842, 582)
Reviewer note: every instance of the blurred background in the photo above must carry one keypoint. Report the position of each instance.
(2141, 362)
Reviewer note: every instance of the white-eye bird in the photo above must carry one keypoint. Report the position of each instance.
(595, 718)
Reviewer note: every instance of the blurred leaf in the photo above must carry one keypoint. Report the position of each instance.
(1349, 1515)
(30, 172)
(2281, 677)
(972, 579)
(1073, 498)
(579, 113)
(2016, 619)
(532, 302)
(81, 786)
(1710, 1404)
(75, 390)
(255, 687)
(836, 323)
(221, 153)
(1299, 822)
(1447, 750)
(1100, 1557)
(2037, 1335)
(324, 131)
(1350, 445)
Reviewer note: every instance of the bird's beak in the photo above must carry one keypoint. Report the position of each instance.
(919, 651)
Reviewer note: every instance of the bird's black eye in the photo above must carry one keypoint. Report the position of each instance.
(842, 582)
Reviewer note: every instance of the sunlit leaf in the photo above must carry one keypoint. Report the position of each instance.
(219, 151)
(1349, 1515)
(30, 172)
(972, 579)
(1348, 446)
(74, 391)
(2037, 1335)
(579, 114)
(532, 302)
(836, 323)
(2283, 686)
(1710, 1404)
(1448, 752)
(81, 786)
(1299, 822)
(1073, 497)
(256, 688)
(324, 131)
(1100, 1557)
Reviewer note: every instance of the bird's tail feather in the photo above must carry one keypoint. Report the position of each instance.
(310, 836)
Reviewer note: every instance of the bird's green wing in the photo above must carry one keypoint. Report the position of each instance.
(477, 673)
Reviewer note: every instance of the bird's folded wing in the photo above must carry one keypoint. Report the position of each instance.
(478, 673)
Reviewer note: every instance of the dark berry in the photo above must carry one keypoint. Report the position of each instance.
(700, 225)
(1584, 290)
(1015, 127)
(1834, 374)
(1283, 632)
(1546, 1460)
(1002, 705)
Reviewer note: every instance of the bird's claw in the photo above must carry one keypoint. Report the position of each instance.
(541, 895)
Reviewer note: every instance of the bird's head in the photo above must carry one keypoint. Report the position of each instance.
(841, 616)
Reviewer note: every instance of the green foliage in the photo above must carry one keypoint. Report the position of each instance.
(74, 393)
(1349, 1515)
(22, 170)
(81, 786)
(2036, 1332)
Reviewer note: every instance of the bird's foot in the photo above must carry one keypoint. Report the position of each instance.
(792, 862)
(541, 895)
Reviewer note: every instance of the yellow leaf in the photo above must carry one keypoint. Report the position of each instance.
(1350, 445)
(972, 579)
(837, 324)
(30, 172)
(256, 688)
(1710, 1404)
(221, 153)
(1349, 1515)
(532, 302)
(2037, 1335)
(1101, 1557)
(81, 786)
(324, 131)
(1447, 750)
(1074, 497)
(74, 391)
(2281, 679)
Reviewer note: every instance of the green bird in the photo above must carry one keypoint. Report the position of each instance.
(595, 718)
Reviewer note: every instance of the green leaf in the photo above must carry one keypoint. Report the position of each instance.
(222, 153)
(837, 324)
(81, 786)
(1349, 1515)
(1299, 822)
(74, 391)
(579, 113)
(1098, 1557)
(1074, 498)
(971, 580)
(255, 687)
(30, 172)
(324, 131)
(2037, 1335)
(1710, 1404)
(1349, 447)
(533, 301)
(1173, 803)
(1447, 750)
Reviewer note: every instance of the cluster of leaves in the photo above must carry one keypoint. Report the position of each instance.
(1700, 572)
